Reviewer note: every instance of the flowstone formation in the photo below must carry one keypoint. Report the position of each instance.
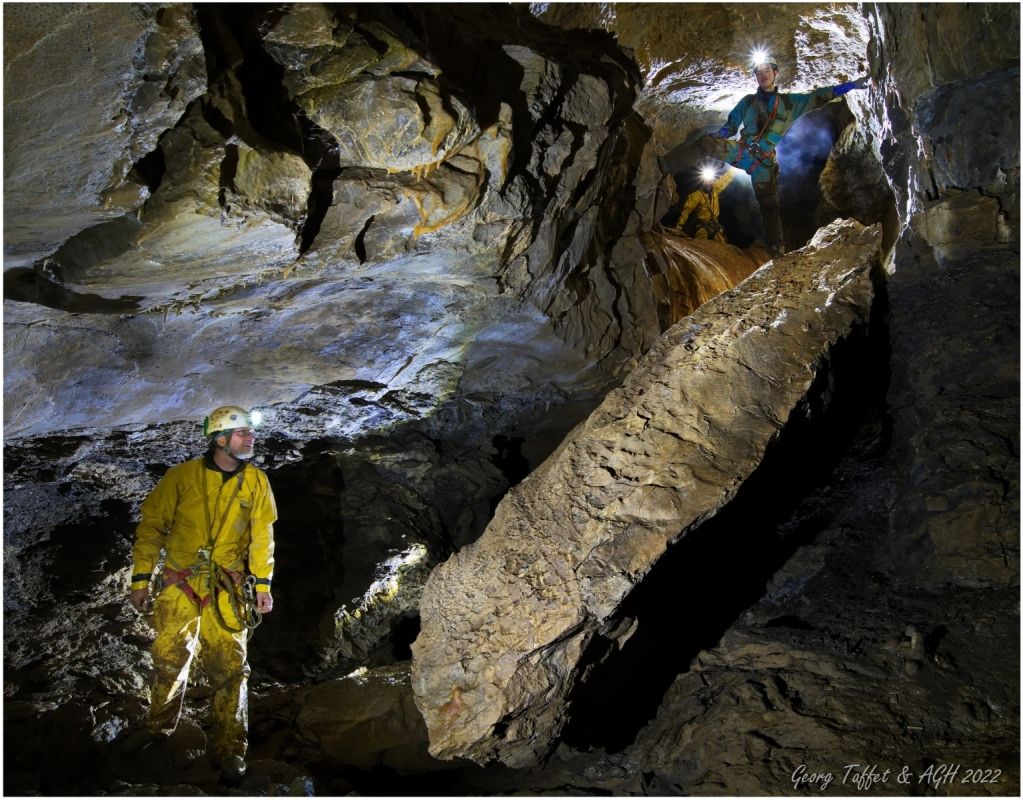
(507, 620)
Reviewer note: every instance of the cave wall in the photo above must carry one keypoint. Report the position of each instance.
(252, 171)
(954, 287)
(80, 139)
(207, 196)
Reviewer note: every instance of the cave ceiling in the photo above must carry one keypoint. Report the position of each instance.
(244, 205)
(524, 437)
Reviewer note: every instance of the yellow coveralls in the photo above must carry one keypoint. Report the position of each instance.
(194, 507)
(706, 205)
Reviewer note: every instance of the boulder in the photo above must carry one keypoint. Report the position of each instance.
(367, 719)
(506, 620)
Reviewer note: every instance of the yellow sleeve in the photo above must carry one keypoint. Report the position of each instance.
(261, 545)
(157, 515)
(687, 209)
(726, 178)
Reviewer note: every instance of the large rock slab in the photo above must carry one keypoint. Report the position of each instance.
(506, 620)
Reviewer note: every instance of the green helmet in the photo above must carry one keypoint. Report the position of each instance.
(226, 418)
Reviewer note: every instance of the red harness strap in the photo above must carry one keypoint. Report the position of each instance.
(758, 155)
(180, 579)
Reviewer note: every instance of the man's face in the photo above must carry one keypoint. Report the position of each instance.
(241, 443)
(766, 75)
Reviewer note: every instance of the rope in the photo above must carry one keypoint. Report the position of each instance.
(219, 579)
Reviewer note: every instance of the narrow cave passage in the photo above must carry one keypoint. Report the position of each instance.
(310, 569)
(802, 157)
(705, 581)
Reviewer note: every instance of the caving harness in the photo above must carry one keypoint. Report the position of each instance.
(713, 227)
(240, 589)
(751, 147)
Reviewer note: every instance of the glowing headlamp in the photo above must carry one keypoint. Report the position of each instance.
(708, 174)
(256, 417)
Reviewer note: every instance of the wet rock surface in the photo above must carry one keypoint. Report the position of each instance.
(70, 146)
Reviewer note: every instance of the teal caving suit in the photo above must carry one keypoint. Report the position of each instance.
(761, 120)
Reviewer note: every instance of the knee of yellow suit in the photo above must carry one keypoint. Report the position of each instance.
(176, 620)
(224, 649)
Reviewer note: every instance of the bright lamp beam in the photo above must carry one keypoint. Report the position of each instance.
(759, 56)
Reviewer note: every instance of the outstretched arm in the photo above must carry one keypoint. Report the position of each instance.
(845, 88)
(687, 209)
(726, 178)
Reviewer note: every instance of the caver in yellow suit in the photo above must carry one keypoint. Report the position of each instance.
(704, 206)
(215, 528)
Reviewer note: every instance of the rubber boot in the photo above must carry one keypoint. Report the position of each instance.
(233, 770)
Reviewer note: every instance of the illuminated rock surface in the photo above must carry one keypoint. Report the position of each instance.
(216, 202)
(506, 621)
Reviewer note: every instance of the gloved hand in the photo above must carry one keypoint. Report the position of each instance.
(843, 88)
(724, 133)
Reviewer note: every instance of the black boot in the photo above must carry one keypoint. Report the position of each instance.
(233, 770)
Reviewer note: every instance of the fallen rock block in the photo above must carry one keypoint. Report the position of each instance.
(506, 620)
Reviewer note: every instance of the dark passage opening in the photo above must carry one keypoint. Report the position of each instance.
(705, 581)
(308, 567)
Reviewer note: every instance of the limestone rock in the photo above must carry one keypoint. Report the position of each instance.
(505, 620)
(365, 720)
(958, 198)
(852, 182)
(375, 215)
(303, 37)
(375, 94)
(322, 46)
(801, 684)
(962, 224)
(395, 122)
(275, 183)
(70, 144)
(941, 93)
(956, 524)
